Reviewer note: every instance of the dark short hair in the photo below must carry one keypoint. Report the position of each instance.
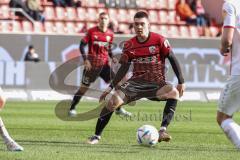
(30, 46)
(103, 14)
(141, 14)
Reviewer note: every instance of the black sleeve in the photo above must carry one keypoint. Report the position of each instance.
(82, 50)
(176, 67)
(120, 74)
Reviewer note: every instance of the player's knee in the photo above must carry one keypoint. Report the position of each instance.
(175, 93)
(116, 101)
(221, 117)
(113, 103)
(2, 102)
(219, 120)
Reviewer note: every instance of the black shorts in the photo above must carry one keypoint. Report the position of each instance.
(135, 90)
(104, 72)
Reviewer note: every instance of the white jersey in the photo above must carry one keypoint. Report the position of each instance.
(231, 10)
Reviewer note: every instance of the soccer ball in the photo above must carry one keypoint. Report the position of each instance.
(147, 135)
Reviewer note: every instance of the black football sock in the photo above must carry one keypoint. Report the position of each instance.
(103, 120)
(168, 112)
(77, 97)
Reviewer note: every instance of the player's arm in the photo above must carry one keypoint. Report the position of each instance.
(229, 18)
(167, 51)
(82, 46)
(87, 63)
(176, 67)
(122, 71)
(226, 40)
(178, 72)
(85, 40)
(125, 64)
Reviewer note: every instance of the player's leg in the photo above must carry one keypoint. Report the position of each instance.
(112, 103)
(171, 95)
(228, 105)
(230, 128)
(87, 78)
(107, 75)
(77, 97)
(10, 143)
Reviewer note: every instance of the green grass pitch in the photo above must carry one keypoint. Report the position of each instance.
(195, 133)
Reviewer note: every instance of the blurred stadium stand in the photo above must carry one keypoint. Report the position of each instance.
(71, 20)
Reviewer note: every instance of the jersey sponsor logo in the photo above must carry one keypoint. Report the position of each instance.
(152, 49)
(146, 59)
(100, 43)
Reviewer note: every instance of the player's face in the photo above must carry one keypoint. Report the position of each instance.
(104, 21)
(141, 27)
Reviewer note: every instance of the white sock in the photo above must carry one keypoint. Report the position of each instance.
(162, 129)
(232, 130)
(4, 133)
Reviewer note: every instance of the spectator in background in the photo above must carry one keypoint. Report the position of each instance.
(19, 4)
(131, 29)
(73, 3)
(31, 55)
(61, 3)
(185, 12)
(199, 10)
(67, 3)
(216, 30)
(113, 26)
(82, 29)
(35, 10)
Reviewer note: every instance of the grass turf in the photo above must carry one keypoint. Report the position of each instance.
(196, 135)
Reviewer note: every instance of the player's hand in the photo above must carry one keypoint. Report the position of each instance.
(224, 51)
(181, 88)
(87, 65)
(105, 93)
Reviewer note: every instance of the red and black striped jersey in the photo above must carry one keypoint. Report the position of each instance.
(99, 44)
(148, 58)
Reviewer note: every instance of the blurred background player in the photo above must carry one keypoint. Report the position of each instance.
(147, 52)
(229, 101)
(10, 143)
(96, 64)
